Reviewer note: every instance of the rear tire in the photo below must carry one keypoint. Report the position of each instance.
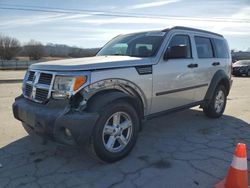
(217, 104)
(115, 132)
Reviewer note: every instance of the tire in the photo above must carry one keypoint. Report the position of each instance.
(217, 105)
(111, 140)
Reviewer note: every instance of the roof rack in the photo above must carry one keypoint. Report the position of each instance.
(191, 29)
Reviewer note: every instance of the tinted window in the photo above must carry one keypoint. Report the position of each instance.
(181, 40)
(221, 48)
(204, 47)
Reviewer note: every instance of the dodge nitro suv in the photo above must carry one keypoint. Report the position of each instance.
(100, 102)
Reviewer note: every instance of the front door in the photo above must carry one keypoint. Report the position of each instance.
(173, 79)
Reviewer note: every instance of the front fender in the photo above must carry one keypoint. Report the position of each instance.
(122, 86)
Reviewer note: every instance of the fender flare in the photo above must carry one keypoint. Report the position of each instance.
(101, 99)
(220, 77)
(130, 89)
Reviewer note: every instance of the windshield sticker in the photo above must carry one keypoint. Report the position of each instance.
(156, 34)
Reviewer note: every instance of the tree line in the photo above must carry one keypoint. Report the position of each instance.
(10, 48)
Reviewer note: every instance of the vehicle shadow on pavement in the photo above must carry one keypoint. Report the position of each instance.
(185, 149)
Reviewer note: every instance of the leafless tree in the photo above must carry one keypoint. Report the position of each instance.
(34, 49)
(9, 47)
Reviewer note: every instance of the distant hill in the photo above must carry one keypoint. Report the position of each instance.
(57, 50)
(60, 50)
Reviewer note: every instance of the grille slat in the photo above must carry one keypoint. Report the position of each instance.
(41, 94)
(28, 90)
(45, 78)
(31, 75)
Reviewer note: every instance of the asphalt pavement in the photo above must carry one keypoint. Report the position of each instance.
(180, 150)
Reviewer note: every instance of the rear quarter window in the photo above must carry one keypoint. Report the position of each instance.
(221, 49)
(204, 47)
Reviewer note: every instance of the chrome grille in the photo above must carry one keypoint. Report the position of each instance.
(41, 94)
(45, 78)
(28, 90)
(38, 86)
(31, 75)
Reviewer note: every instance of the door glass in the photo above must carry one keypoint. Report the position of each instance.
(181, 40)
(204, 47)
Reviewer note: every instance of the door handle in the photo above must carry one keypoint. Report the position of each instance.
(215, 63)
(192, 65)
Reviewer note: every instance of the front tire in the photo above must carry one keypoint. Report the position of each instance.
(115, 132)
(217, 105)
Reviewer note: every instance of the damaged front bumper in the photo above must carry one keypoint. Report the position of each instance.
(55, 120)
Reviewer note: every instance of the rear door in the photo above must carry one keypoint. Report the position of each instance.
(222, 58)
(204, 58)
(212, 54)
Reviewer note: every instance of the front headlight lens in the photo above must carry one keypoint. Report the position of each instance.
(64, 86)
(63, 83)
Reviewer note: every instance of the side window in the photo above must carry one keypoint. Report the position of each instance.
(221, 48)
(181, 40)
(143, 50)
(204, 47)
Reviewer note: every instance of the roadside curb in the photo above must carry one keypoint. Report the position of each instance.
(11, 81)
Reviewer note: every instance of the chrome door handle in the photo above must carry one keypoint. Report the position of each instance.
(216, 63)
(192, 65)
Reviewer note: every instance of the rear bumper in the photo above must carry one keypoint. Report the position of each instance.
(51, 120)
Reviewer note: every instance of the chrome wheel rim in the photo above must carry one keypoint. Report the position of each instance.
(117, 132)
(219, 101)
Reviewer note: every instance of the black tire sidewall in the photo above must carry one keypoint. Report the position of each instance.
(97, 142)
(211, 111)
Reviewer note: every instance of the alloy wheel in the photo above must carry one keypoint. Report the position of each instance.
(117, 132)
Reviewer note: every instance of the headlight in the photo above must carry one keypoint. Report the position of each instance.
(65, 86)
(242, 69)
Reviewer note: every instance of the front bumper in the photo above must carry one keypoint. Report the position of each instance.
(51, 120)
(239, 72)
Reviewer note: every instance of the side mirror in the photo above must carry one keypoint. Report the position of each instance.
(176, 52)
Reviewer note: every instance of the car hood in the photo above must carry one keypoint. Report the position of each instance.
(240, 65)
(91, 63)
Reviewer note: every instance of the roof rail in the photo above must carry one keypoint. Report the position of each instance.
(192, 29)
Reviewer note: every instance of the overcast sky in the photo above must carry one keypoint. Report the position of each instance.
(93, 30)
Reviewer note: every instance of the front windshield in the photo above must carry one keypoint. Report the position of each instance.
(136, 45)
(243, 62)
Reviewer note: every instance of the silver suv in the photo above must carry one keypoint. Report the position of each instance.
(101, 101)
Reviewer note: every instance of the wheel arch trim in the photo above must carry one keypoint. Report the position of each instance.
(131, 90)
(219, 77)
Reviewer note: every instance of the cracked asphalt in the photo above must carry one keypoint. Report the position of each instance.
(180, 150)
